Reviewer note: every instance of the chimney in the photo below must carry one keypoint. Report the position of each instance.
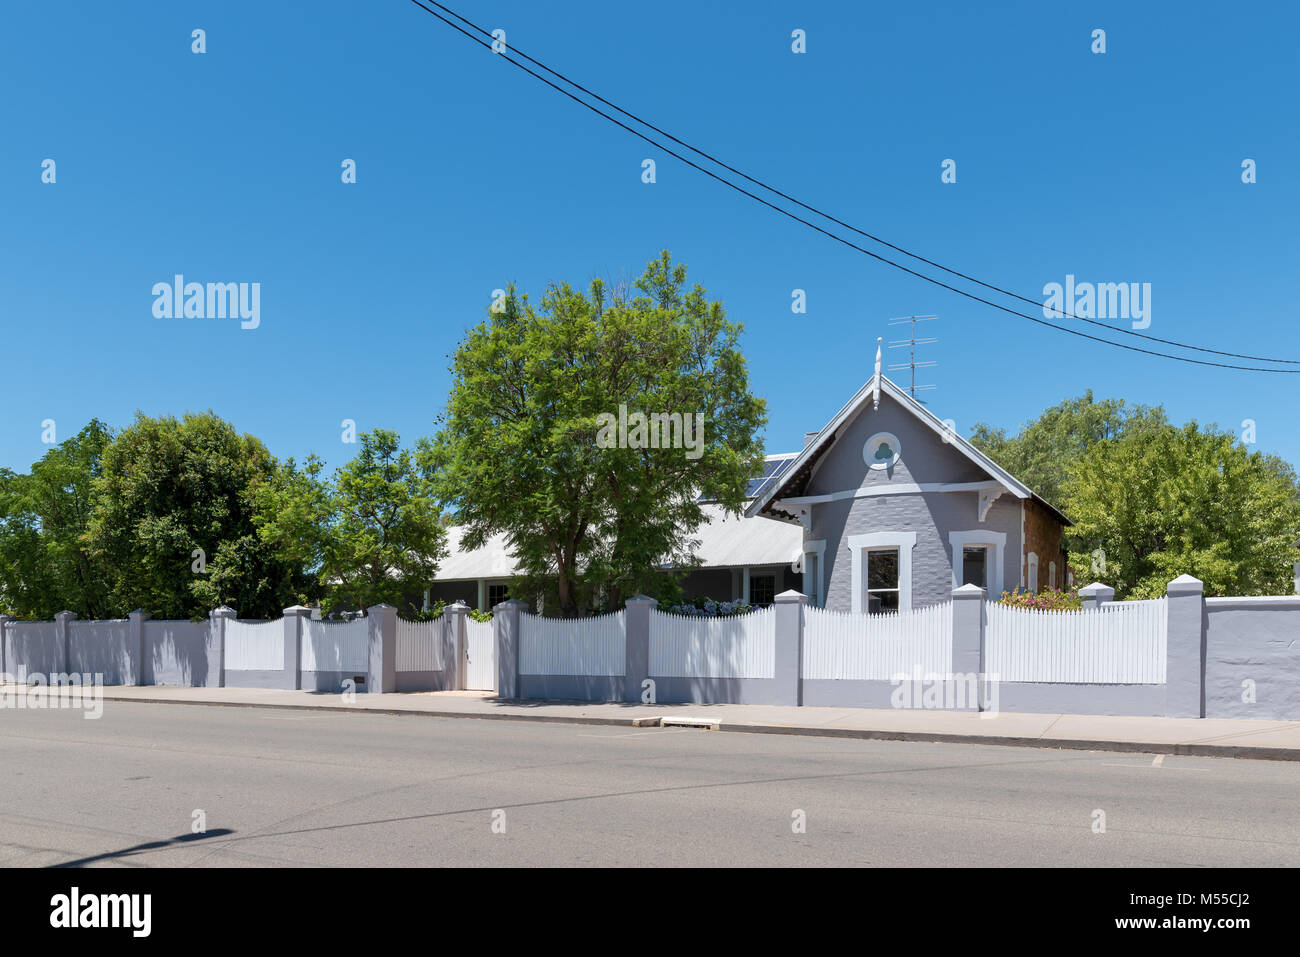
(808, 438)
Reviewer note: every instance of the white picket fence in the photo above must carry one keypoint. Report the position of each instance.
(419, 645)
(735, 646)
(1117, 643)
(255, 645)
(573, 646)
(336, 646)
(877, 647)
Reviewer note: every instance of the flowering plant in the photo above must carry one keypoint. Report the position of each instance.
(708, 608)
(1046, 599)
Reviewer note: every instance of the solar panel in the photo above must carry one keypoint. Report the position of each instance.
(773, 467)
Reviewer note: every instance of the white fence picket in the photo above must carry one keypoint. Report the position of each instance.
(1117, 643)
(336, 646)
(573, 646)
(419, 645)
(734, 646)
(843, 645)
(255, 645)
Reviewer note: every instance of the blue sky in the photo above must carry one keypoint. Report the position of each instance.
(225, 166)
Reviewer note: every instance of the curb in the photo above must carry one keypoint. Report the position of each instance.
(1072, 744)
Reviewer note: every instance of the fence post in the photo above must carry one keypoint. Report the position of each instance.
(968, 644)
(293, 618)
(453, 645)
(1096, 595)
(636, 646)
(505, 631)
(789, 646)
(63, 637)
(1185, 661)
(4, 645)
(381, 676)
(135, 641)
(217, 619)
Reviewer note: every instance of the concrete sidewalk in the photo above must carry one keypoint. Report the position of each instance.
(1207, 737)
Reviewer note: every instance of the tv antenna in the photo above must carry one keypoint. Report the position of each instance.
(910, 343)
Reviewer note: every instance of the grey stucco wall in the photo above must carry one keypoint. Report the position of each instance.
(181, 653)
(1256, 641)
(925, 458)
(103, 648)
(34, 646)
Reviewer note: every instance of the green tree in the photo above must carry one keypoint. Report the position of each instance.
(45, 564)
(367, 534)
(172, 522)
(1162, 502)
(526, 446)
(1044, 451)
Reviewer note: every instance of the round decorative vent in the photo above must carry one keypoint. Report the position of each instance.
(882, 450)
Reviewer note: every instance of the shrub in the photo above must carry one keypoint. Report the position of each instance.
(708, 608)
(1046, 599)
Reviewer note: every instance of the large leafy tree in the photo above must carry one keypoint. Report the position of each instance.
(45, 564)
(367, 533)
(1153, 504)
(1044, 451)
(521, 449)
(172, 523)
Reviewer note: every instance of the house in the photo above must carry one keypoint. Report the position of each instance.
(897, 509)
(750, 558)
(886, 508)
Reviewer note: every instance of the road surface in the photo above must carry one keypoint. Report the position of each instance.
(320, 789)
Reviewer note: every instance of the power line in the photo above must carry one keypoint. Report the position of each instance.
(839, 222)
(852, 245)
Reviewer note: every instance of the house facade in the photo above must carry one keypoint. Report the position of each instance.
(896, 509)
(886, 508)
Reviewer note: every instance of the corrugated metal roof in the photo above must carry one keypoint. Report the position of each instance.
(726, 541)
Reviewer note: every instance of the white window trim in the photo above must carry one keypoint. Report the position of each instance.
(1032, 582)
(904, 542)
(813, 589)
(996, 542)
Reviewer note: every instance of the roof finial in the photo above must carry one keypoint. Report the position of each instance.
(875, 395)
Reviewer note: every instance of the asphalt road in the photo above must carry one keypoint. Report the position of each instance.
(310, 788)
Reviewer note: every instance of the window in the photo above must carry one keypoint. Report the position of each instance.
(974, 564)
(762, 589)
(496, 594)
(1051, 574)
(895, 590)
(882, 580)
(1032, 578)
(986, 549)
(812, 571)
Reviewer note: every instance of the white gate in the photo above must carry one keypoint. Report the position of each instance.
(481, 655)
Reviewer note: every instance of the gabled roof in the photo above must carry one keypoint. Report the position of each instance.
(799, 469)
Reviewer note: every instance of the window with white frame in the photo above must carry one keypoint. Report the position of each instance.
(1051, 574)
(882, 571)
(983, 550)
(1031, 576)
(882, 584)
(813, 569)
